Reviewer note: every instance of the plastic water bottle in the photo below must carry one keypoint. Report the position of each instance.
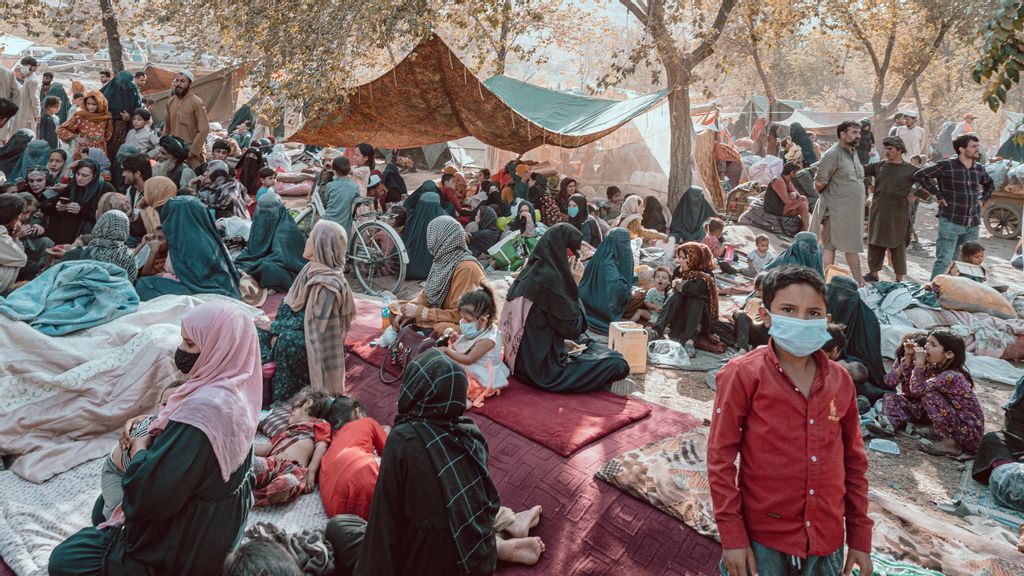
(385, 313)
(726, 185)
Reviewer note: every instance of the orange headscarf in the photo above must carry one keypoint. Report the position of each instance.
(102, 113)
(700, 263)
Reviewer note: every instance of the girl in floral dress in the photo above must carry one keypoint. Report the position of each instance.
(90, 127)
(936, 390)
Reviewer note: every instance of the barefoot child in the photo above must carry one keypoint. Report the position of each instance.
(760, 258)
(288, 465)
(791, 415)
(935, 390)
(654, 301)
(478, 348)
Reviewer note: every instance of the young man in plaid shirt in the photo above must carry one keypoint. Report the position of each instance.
(960, 203)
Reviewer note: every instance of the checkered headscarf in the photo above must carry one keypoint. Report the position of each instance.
(432, 402)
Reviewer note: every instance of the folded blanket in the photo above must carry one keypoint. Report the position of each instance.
(72, 296)
(63, 400)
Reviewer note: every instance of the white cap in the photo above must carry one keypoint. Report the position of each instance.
(188, 75)
(910, 113)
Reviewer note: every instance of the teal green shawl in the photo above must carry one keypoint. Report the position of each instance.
(805, 251)
(273, 255)
(199, 258)
(608, 281)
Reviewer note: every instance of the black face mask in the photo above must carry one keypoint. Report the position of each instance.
(185, 360)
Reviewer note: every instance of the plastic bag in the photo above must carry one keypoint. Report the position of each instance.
(669, 353)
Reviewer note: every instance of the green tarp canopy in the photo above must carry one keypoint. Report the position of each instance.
(756, 107)
(431, 97)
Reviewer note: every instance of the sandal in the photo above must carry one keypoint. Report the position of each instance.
(690, 350)
(928, 447)
(880, 428)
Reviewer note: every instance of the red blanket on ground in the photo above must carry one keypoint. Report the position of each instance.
(588, 526)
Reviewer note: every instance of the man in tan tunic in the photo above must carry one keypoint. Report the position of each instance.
(839, 214)
(186, 118)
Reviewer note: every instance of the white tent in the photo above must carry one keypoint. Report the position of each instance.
(11, 45)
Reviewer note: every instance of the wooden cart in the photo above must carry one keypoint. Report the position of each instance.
(1002, 213)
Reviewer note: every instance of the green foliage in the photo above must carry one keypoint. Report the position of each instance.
(1002, 57)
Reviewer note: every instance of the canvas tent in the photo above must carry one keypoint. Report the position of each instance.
(756, 107)
(814, 121)
(432, 97)
(218, 91)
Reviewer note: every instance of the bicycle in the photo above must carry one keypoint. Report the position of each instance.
(376, 252)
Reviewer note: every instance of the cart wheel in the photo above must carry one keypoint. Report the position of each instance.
(1002, 221)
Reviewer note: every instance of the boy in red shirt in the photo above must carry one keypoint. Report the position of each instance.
(791, 415)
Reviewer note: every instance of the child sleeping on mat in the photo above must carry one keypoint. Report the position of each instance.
(478, 348)
(288, 465)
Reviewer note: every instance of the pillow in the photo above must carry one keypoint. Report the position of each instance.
(276, 421)
(671, 475)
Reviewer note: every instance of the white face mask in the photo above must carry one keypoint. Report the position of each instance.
(25, 69)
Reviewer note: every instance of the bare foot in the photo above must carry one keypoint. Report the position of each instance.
(520, 550)
(520, 527)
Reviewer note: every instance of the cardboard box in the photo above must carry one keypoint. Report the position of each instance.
(630, 340)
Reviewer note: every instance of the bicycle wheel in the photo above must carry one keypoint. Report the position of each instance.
(379, 258)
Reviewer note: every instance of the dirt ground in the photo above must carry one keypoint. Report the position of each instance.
(912, 477)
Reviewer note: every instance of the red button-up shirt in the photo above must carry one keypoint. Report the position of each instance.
(802, 461)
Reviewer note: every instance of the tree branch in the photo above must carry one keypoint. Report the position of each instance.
(923, 64)
(635, 10)
(487, 34)
(859, 33)
(707, 46)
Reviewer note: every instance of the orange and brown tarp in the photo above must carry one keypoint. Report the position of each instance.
(431, 97)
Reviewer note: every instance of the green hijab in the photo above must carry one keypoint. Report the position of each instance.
(37, 153)
(273, 254)
(805, 251)
(199, 258)
(690, 214)
(425, 209)
(608, 281)
(122, 94)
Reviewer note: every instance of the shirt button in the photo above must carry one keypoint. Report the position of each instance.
(808, 523)
(812, 420)
(718, 410)
(812, 491)
(814, 458)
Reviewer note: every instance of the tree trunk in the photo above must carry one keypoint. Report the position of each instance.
(114, 48)
(680, 176)
(759, 66)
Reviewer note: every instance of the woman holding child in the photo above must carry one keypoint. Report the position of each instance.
(692, 306)
(454, 272)
(187, 491)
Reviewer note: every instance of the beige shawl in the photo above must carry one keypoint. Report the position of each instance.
(156, 192)
(321, 288)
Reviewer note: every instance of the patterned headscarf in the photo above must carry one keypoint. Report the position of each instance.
(432, 402)
(700, 264)
(108, 243)
(446, 241)
(102, 112)
(322, 290)
(630, 211)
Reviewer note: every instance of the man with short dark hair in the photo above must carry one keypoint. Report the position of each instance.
(186, 118)
(140, 79)
(956, 182)
(839, 214)
(29, 105)
(898, 121)
(44, 88)
(105, 76)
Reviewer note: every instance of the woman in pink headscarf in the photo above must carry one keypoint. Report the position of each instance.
(187, 492)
